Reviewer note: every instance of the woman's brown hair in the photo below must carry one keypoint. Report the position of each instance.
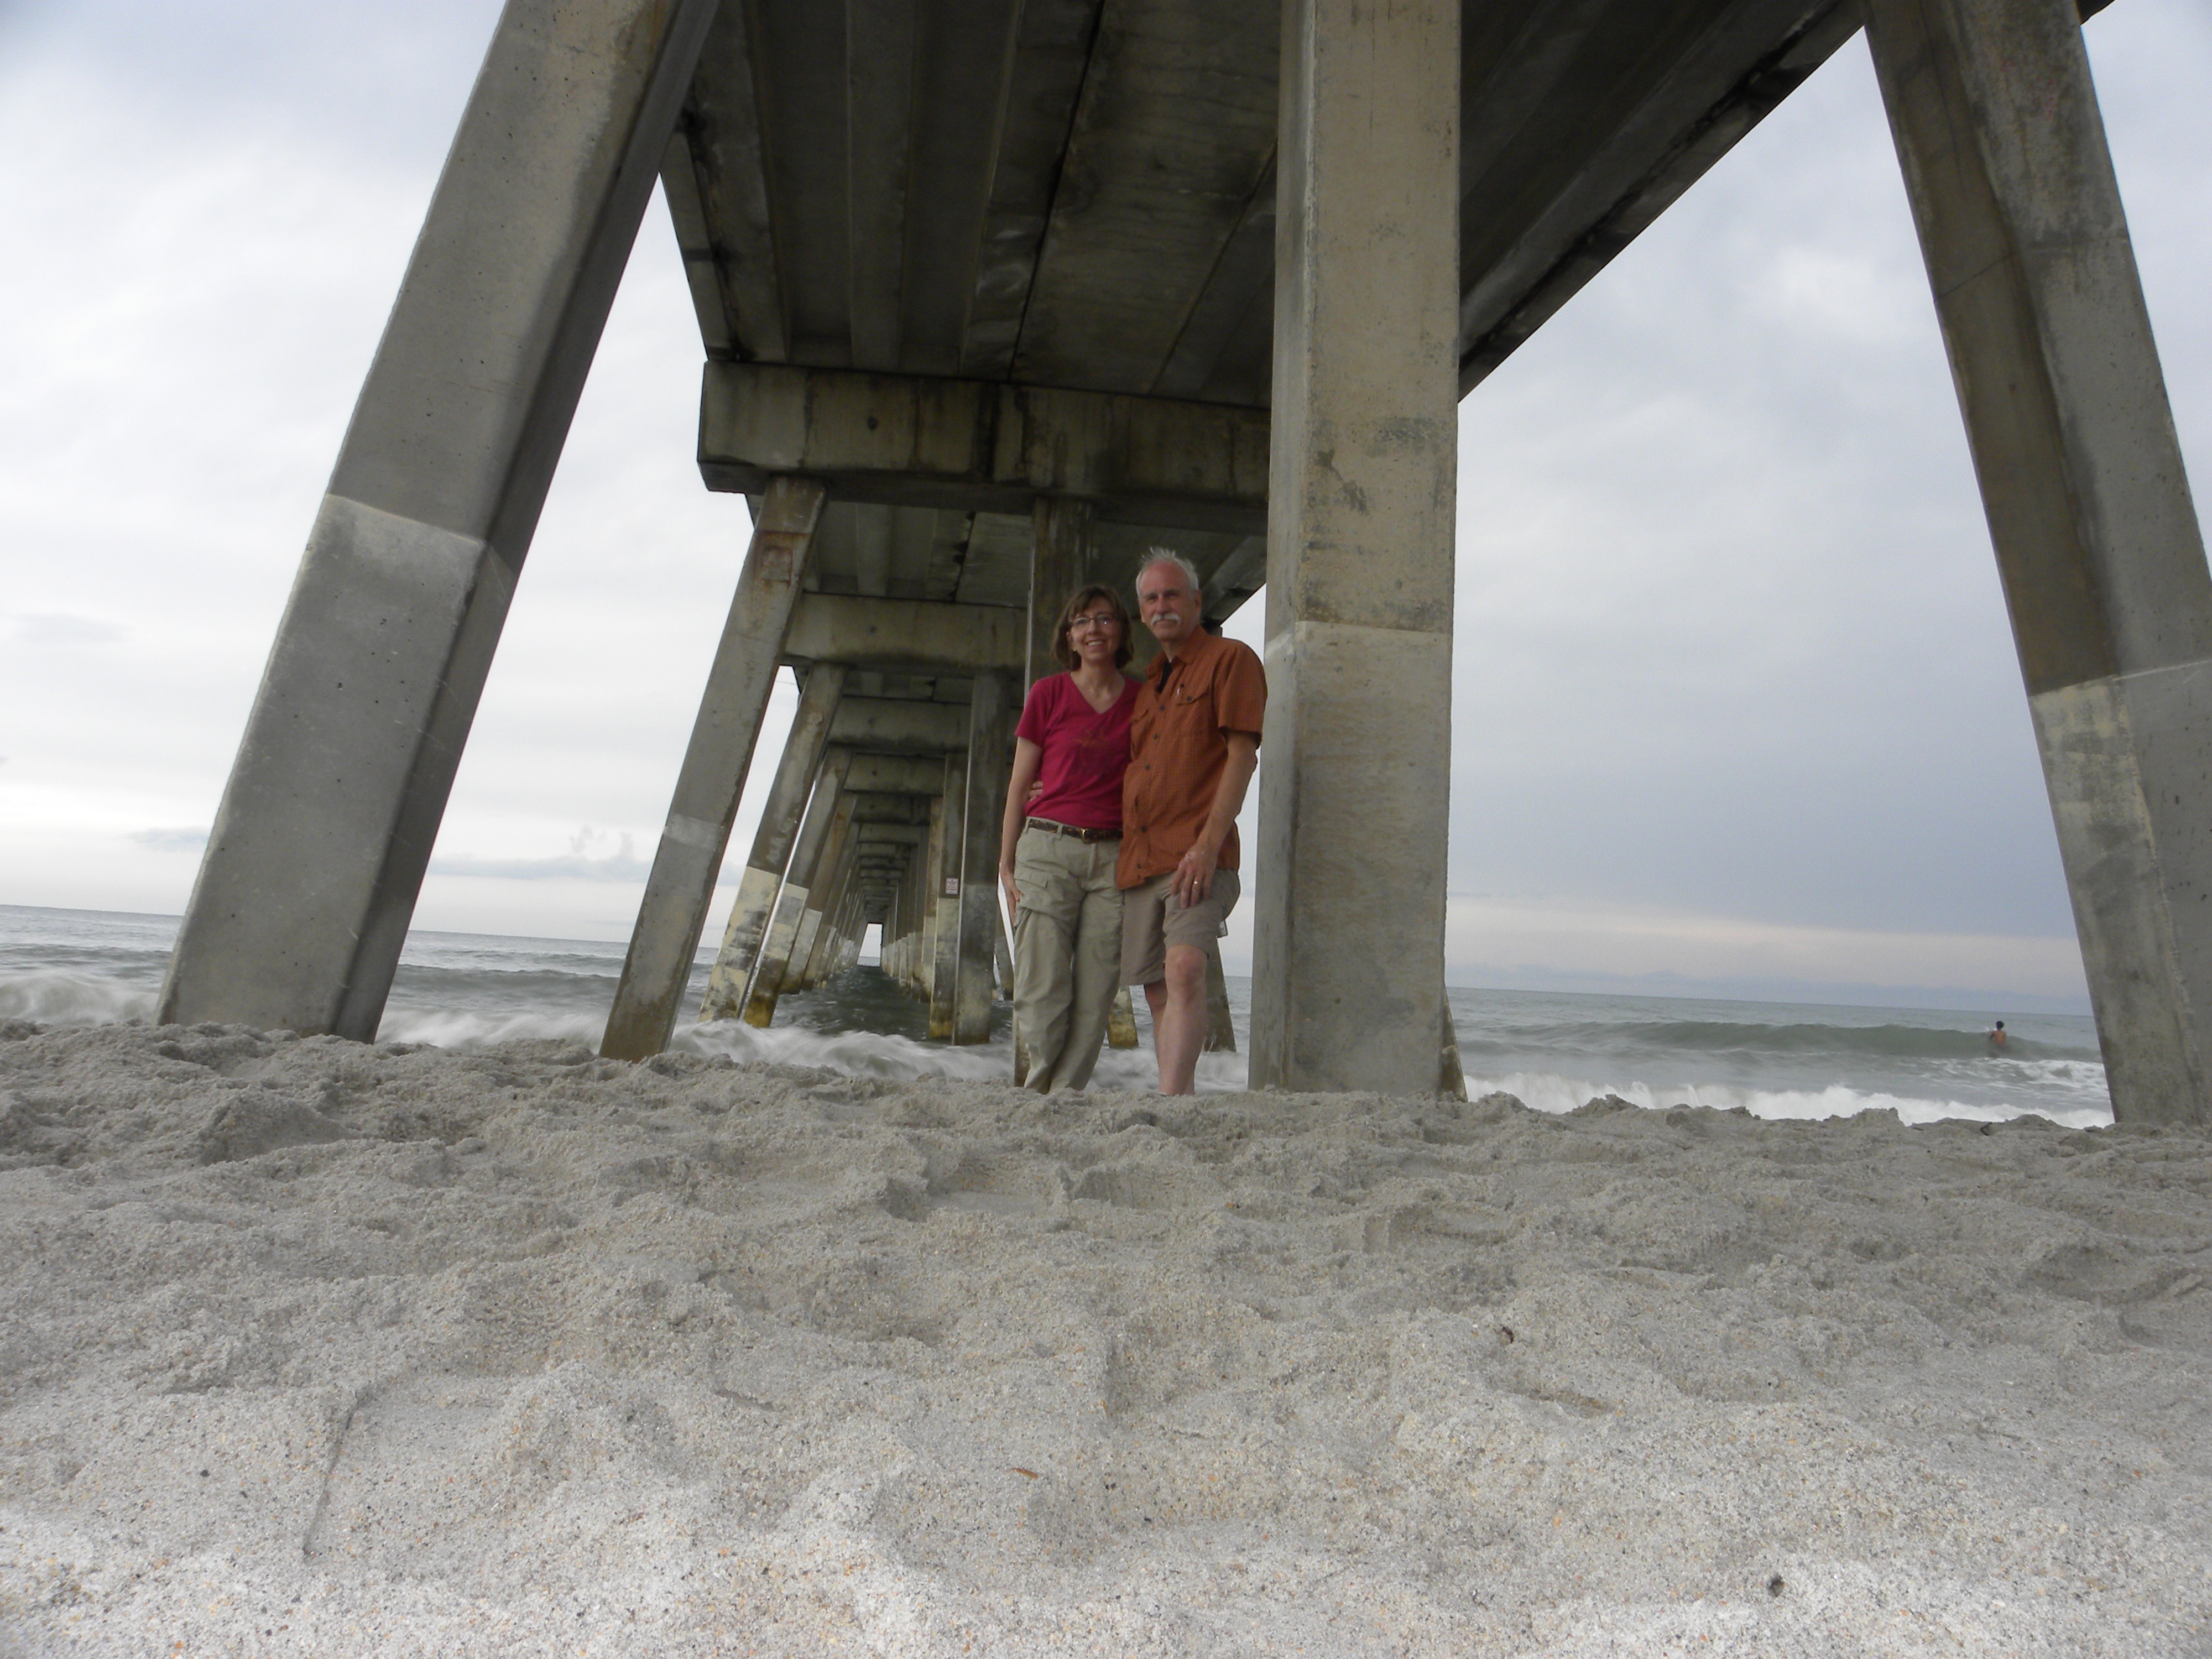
(1064, 648)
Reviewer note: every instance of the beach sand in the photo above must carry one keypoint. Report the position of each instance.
(313, 1348)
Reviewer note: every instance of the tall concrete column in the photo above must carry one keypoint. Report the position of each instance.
(319, 848)
(681, 883)
(945, 947)
(990, 744)
(924, 972)
(1060, 562)
(778, 828)
(2097, 541)
(1349, 871)
(829, 806)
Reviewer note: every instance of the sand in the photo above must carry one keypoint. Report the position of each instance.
(313, 1348)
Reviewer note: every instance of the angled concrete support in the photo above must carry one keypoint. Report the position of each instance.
(945, 946)
(825, 902)
(779, 829)
(1349, 911)
(1060, 562)
(990, 747)
(2097, 541)
(319, 847)
(689, 858)
(830, 808)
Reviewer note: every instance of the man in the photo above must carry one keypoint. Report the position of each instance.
(1194, 742)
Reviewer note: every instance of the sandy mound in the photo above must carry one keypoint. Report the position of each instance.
(313, 1348)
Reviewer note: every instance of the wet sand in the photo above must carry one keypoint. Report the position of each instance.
(313, 1348)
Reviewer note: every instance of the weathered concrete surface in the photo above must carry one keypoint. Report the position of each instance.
(2097, 540)
(1060, 562)
(828, 815)
(984, 446)
(772, 841)
(319, 849)
(1349, 908)
(681, 883)
(900, 774)
(991, 716)
(944, 943)
(916, 635)
(886, 725)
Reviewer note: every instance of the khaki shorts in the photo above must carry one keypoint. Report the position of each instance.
(1152, 921)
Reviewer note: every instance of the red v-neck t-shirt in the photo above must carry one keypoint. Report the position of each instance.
(1085, 752)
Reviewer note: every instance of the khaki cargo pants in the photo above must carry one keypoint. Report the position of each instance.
(1068, 954)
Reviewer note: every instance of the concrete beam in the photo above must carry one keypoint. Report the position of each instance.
(658, 968)
(319, 847)
(918, 636)
(897, 775)
(882, 808)
(878, 724)
(1349, 913)
(2097, 540)
(983, 445)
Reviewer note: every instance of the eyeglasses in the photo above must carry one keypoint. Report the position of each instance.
(1093, 619)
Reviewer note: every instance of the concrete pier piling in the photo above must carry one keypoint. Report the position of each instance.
(2097, 540)
(830, 809)
(319, 847)
(990, 750)
(772, 843)
(1348, 914)
(944, 948)
(677, 891)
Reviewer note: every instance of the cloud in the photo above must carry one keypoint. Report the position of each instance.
(171, 841)
(619, 863)
(61, 627)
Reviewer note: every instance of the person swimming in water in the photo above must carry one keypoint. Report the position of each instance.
(1997, 1035)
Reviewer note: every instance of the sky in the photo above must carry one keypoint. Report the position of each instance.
(1735, 709)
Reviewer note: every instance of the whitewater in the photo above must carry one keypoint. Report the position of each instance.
(1553, 1051)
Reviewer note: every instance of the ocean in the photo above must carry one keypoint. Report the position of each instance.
(1554, 1051)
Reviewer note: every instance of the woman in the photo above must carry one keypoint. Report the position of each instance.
(1057, 852)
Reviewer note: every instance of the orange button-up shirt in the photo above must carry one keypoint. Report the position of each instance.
(1178, 747)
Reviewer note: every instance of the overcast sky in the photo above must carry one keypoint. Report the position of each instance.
(1736, 707)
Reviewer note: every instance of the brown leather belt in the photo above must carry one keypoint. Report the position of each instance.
(1070, 830)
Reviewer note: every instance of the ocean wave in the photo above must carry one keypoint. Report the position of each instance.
(884, 1054)
(1722, 1037)
(57, 996)
(1549, 1092)
(443, 1028)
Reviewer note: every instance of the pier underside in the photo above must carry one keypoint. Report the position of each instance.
(994, 296)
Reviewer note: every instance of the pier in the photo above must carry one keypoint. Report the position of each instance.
(994, 294)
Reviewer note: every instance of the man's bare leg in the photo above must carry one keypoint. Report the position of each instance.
(1178, 1004)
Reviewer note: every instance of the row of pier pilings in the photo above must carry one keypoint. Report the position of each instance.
(885, 807)
(1340, 496)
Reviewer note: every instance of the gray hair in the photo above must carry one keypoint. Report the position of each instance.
(1167, 555)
